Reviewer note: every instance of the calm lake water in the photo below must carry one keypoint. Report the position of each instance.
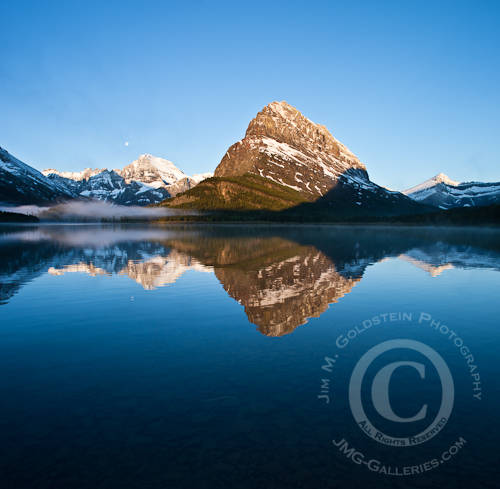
(194, 357)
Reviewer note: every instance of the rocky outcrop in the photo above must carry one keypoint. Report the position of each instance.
(286, 147)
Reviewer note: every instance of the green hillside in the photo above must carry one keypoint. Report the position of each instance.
(247, 192)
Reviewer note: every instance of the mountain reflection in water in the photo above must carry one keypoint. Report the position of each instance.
(281, 275)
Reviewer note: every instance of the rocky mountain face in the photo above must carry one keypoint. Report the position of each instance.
(109, 186)
(440, 191)
(22, 184)
(286, 148)
(147, 180)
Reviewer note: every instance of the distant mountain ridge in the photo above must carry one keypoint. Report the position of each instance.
(74, 175)
(285, 162)
(147, 180)
(445, 193)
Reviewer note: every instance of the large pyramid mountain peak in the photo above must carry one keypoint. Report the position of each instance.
(286, 147)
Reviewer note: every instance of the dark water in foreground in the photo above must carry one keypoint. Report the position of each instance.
(191, 357)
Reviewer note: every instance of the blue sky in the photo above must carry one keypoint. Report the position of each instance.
(412, 88)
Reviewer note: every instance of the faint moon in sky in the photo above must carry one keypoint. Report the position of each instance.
(126, 143)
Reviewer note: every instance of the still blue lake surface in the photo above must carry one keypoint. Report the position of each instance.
(194, 356)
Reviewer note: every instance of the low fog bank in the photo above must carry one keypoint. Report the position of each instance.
(94, 211)
(92, 236)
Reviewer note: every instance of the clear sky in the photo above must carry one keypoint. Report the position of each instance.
(412, 88)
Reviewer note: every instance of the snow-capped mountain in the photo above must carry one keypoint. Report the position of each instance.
(281, 146)
(445, 193)
(147, 180)
(22, 184)
(432, 182)
(286, 147)
(153, 171)
(111, 187)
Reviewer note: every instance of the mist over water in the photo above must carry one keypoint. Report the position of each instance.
(94, 211)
